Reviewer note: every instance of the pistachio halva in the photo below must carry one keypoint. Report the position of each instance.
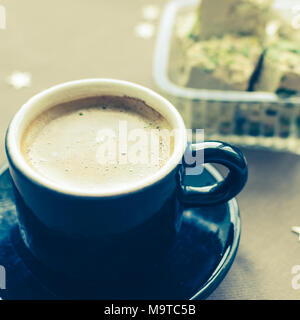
(227, 45)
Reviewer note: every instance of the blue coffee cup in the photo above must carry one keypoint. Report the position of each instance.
(97, 234)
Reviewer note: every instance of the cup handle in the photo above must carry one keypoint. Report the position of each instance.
(221, 153)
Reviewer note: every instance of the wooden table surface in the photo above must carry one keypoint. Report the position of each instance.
(57, 41)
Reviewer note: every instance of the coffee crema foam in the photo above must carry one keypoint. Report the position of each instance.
(67, 143)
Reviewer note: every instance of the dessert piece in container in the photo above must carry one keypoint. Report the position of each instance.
(280, 71)
(226, 63)
(241, 17)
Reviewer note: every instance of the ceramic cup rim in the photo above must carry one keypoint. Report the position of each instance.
(89, 88)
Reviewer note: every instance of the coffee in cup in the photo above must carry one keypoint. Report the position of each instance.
(97, 143)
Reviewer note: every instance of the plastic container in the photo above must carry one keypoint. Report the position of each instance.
(253, 119)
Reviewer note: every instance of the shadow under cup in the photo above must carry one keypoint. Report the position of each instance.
(104, 237)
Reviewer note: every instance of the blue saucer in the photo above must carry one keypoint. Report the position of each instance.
(201, 256)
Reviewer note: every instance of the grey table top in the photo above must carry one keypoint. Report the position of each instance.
(58, 42)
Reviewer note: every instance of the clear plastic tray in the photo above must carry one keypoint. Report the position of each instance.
(253, 119)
